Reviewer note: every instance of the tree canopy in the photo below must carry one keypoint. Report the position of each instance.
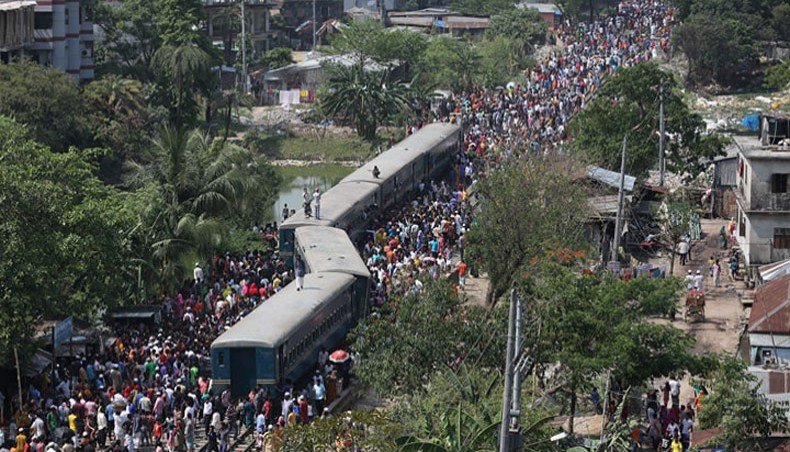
(523, 25)
(64, 249)
(48, 101)
(628, 104)
(526, 208)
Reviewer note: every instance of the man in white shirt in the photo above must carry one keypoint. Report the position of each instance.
(198, 273)
(317, 202)
(674, 390)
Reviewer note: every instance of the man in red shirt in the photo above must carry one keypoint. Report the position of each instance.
(462, 268)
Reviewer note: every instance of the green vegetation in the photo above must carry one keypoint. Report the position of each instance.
(736, 406)
(276, 58)
(628, 105)
(778, 77)
(65, 245)
(722, 38)
(288, 147)
(522, 25)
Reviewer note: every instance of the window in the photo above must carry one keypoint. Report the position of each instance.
(741, 224)
(779, 183)
(782, 238)
(221, 358)
(42, 21)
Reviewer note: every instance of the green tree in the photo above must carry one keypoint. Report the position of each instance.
(526, 209)
(778, 77)
(415, 335)
(719, 49)
(674, 218)
(47, 101)
(203, 187)
(523, 25)
(64, 249)
(628, 104)
(366, 98)
(501, 61)
(450, 63)
(117, 52)
(598, 324)
(118, 115)
(182, 72)
(781, 21)
(276, 58)
(736, 405)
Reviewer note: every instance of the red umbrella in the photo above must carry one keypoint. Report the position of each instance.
(339, 356)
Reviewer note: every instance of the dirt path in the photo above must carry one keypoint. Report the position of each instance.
(725, 316)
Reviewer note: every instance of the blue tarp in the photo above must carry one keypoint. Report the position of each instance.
(751, 122)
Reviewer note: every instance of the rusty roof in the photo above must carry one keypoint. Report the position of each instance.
(771, 308)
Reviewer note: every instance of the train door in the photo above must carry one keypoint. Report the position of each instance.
(242, 371)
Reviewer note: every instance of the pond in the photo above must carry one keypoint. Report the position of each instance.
(296, 178)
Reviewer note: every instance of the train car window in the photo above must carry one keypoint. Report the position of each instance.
(221, 358)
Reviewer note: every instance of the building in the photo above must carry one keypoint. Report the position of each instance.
(373, 5)
(767, 340)
(548, 11)
(222, 24)
(440, 20)
(297, 82)
(298, 14)
(62, 34)
(763, 197)
(16, 28)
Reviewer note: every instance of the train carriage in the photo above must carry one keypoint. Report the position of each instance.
(325, 249)
(280, 340)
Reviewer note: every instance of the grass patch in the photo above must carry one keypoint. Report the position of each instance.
(331, 148)
(330, 172)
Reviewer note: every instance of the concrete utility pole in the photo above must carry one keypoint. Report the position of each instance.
(504, 436)
(515, 406)
(244, 49)
(661, 164)
(314, 19)
(618, 228)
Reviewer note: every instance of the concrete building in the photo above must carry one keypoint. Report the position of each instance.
(373, 5)
(763, 198)
(298, 15)
(16, 28)
(222, 24)
(548, 11)
(64, 37)
(766, 342)
(440, 20)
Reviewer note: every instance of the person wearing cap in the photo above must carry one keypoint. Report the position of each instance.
(698, 281)
(689, 281)
(20, 440)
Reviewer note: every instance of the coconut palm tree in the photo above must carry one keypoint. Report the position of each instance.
(203, 186)
(366, 98)
(183, 71)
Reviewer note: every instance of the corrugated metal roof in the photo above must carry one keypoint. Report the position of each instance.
(610, 178)
(276, 318)
(771, 308)
(15, 4)
(541, 7)
(769, 272)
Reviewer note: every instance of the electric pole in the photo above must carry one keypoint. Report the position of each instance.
(244, 49)
(515, 406)
(314, 19)
(504, 429)
(661, 150)
(620, 196)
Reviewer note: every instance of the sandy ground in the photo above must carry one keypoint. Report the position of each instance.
(725, 316)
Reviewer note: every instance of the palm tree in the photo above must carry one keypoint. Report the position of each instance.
(183, 71)
(365, 97)
(203, 186)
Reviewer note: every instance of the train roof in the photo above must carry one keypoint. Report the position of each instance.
(403, 152)
(330, 250)
(272, 322)
(335, 203)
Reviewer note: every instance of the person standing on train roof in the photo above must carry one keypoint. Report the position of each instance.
(376, 171)
(299, 270)
(317, 202)
(307, 199)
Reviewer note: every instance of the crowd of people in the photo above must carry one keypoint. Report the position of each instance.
(151, 385)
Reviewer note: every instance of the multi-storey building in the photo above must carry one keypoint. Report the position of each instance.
(16, 28)
(64, 37)
(763, 193)
(298, 16)
(224, 16)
